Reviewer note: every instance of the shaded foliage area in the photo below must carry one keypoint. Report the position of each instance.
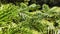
(51, 3)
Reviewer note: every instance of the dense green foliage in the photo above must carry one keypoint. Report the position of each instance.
(24, 19)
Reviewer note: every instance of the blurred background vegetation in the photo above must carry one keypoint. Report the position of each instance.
(29, 16)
